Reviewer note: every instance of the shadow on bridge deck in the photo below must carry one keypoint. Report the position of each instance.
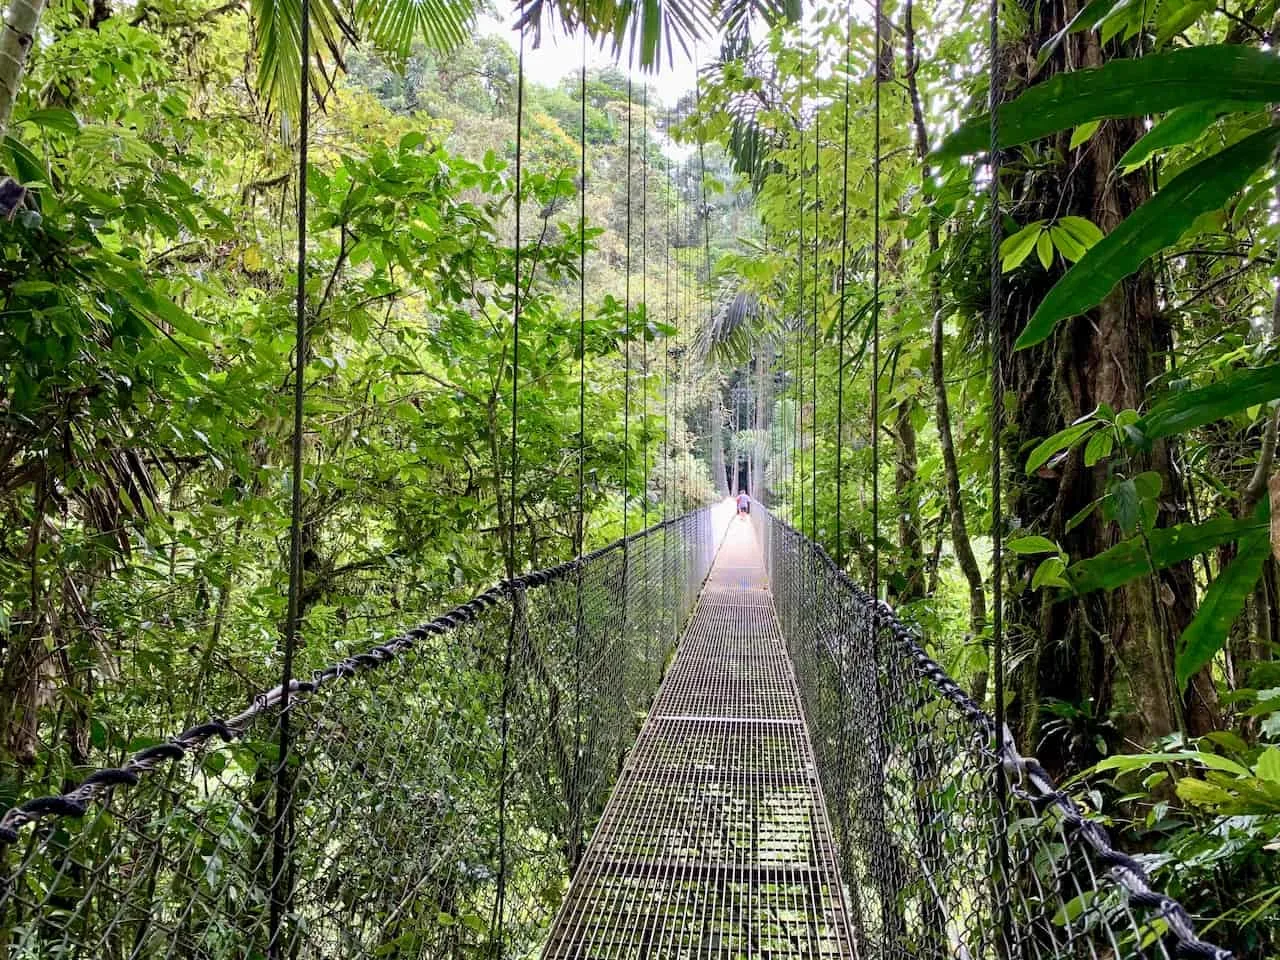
(715, 842)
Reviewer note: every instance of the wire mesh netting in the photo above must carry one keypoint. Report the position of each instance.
(934, 863)
(421, 824)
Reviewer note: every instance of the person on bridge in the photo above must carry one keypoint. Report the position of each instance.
(744, 502)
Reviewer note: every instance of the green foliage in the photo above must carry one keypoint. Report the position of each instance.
(1069, 236)
(392, 24)
(1221, 605)
(1220, 821)
(1188, 409)
(1156, 225)
(1180, 126)
(147, 287)
(1157, 549)
(1226, 74)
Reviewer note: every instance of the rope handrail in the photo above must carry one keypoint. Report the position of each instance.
(1028, 779)
(75, 801)
(915, 812)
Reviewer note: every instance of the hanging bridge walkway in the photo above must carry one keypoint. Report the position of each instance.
(501, 782)
(715, 841)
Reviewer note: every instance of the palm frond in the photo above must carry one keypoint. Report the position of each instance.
(392, 26)
(736, 16)
(277, 26)
(731, 330)
(757, 95)
(647, 30)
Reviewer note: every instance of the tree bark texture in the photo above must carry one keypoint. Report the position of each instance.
(17, 36)
(1108, 654)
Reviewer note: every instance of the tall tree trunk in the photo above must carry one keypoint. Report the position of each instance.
(764, 363)
(907, 502)
(716, 416)
(17, 36)
(960, 542)
(1109, 654)
(907, 582)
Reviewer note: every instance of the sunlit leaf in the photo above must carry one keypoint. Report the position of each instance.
(1033, 545)
(1017, 247)
(1180, 126)
(1059, 441)
(1157, 224)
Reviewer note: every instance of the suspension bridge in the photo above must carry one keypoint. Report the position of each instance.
(701, 742)
(766, 762)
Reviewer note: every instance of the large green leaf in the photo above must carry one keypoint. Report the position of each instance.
(1129, 559)
(1061, 440)
(54, 118)
(1155, 225)
(1189, 409)
(1180, 126)
(1235, 76)
(1221, 604)
(1125, 762)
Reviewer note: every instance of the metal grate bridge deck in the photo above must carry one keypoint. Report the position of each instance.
(715, 842)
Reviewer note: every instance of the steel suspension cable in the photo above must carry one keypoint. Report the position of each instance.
(995, 324)
(706, 236)
(817, 206)
(796, 467)
(875, 316)
(499, 907)
(580, 530)
(666, 351)
(844, 247)
(282, 832)
(678, 295)
(644, 300)
(626, 345)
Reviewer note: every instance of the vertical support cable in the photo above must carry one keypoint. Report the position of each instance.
(644, 300)
(670, 570)
(282, 826)
(706, 231)
(580, 532)
(498, 924)
(817, 206)
(798, 468)
(844, 247)
(875, 322)
(995, 325)
(575, 814)
(625, 618)
(666, 350)
(678, 293)
(626, 347)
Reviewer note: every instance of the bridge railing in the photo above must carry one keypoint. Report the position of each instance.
(935, 865)
(424, 820)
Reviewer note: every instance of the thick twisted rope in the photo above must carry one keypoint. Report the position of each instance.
(76, 801)
(1030, 781)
